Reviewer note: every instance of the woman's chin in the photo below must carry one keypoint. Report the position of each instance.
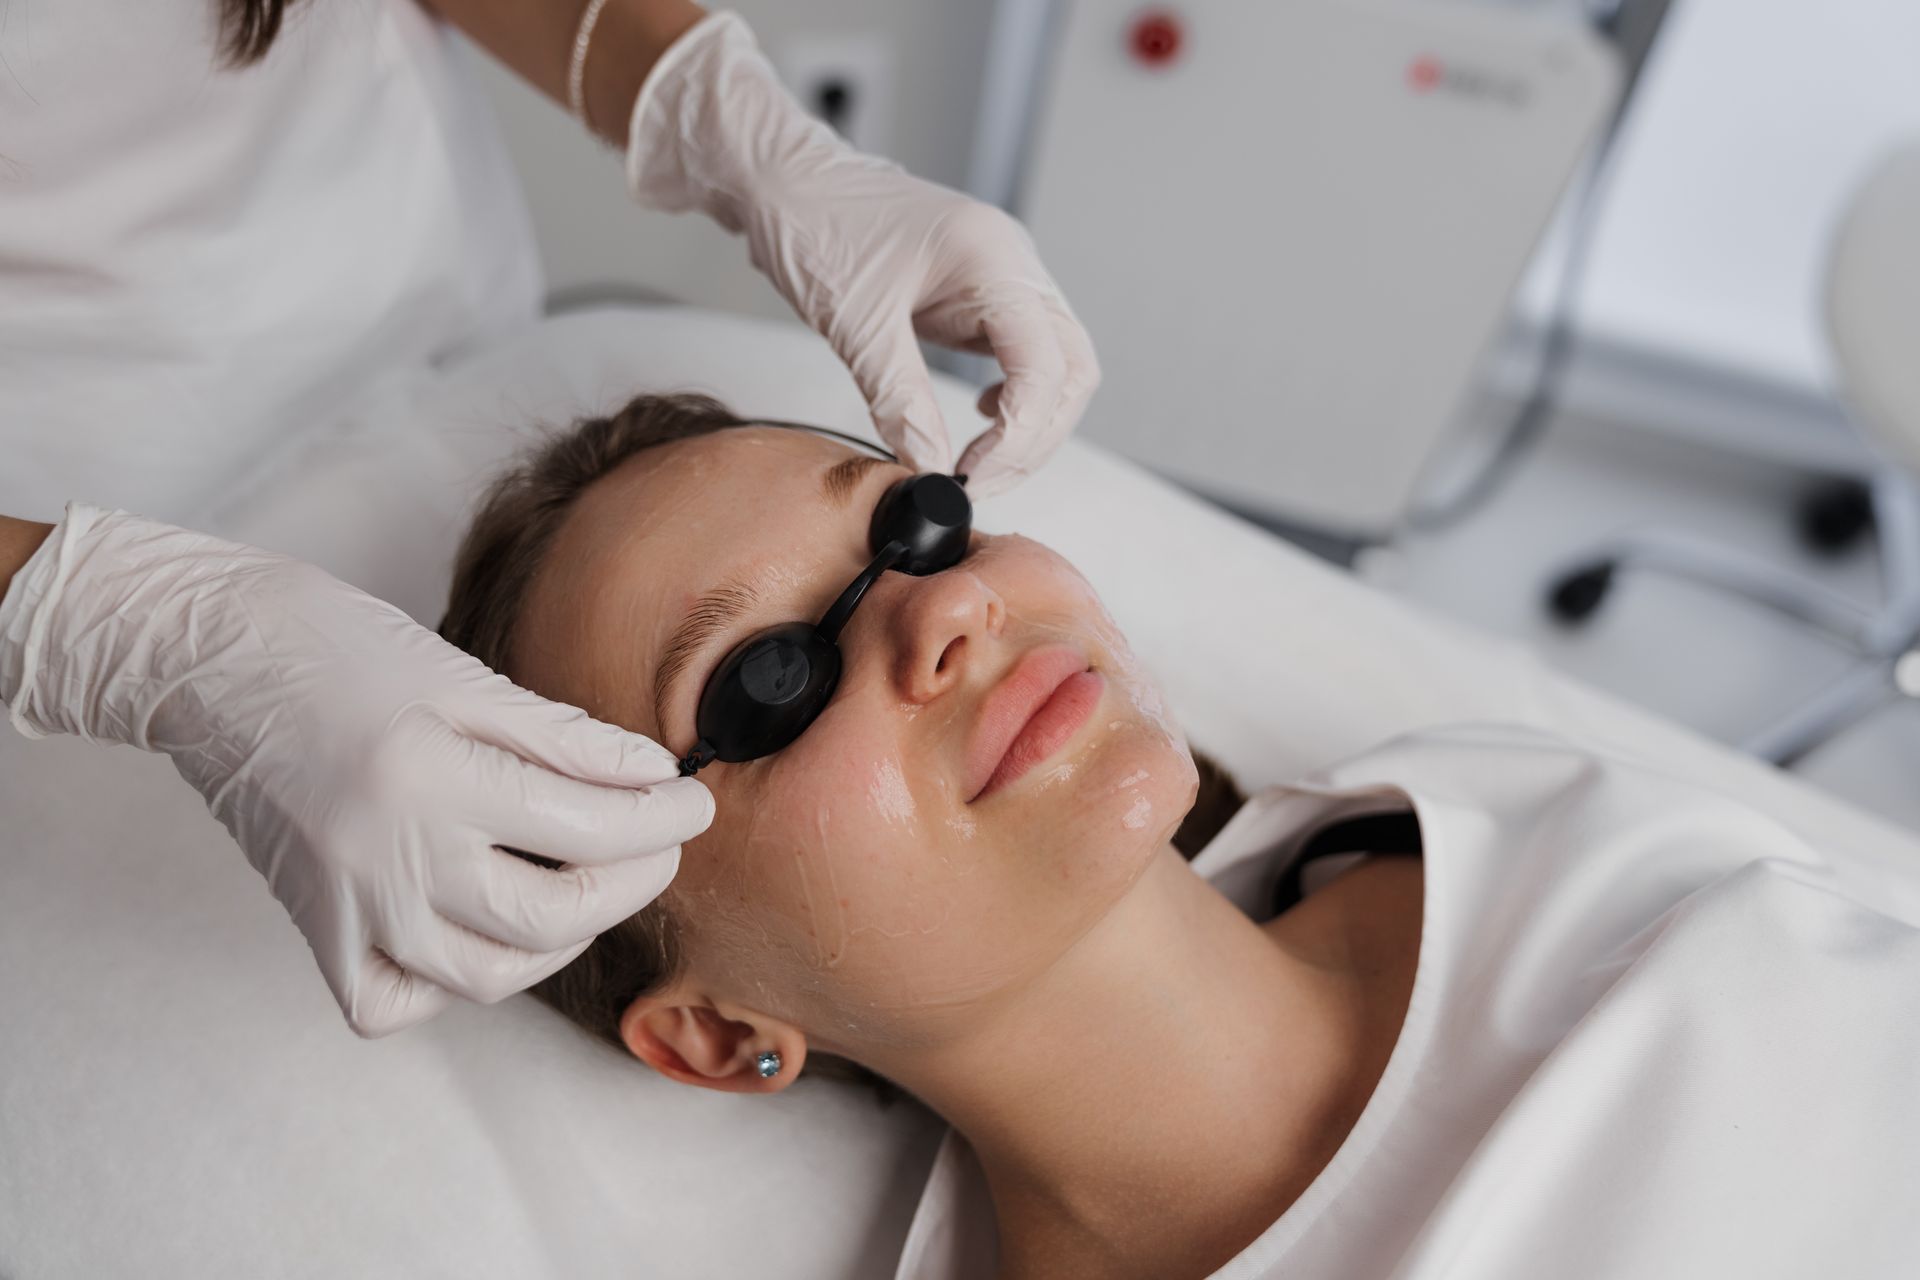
(1123, 804)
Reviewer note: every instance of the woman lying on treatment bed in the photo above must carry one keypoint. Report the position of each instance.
(1526, 1051)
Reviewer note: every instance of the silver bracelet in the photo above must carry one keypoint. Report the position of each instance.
(577, 70)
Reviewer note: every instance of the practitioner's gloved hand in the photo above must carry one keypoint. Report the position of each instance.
(367, 768)
(867, 254)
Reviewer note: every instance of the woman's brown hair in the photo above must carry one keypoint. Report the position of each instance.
(494, 569)
(248, 29)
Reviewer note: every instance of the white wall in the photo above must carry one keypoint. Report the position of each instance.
(1701, 310)
(1759, 118)
(591, 235)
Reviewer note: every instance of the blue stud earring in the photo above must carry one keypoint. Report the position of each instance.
(768, 1065)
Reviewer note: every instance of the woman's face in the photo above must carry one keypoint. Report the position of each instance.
(886, 875)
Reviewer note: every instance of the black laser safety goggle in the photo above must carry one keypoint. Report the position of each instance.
(773, 685)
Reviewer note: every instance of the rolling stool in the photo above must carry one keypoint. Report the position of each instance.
(1873, 318)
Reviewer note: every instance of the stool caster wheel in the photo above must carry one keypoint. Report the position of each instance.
(1833, 517)
(1576, 595)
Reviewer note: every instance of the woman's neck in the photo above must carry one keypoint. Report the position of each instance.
(1169, 1087)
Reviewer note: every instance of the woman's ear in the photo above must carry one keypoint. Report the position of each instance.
(689, 1037)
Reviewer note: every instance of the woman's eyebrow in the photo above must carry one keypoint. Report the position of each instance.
(839, 481)
(711, 614)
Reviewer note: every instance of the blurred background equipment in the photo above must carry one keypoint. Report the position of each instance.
(1873, 305)
(1313, 212)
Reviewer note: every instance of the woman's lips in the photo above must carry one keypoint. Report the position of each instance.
(1030, 715)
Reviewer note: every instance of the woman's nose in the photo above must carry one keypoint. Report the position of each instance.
(940, 626)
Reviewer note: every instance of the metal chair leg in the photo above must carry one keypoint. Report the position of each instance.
(1834, 708)
(1879, 635)
(1779, 589)
(1896, 520)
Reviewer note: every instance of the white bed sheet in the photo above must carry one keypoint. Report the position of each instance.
(178, 1093)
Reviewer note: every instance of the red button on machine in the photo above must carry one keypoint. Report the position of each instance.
(1156, 37)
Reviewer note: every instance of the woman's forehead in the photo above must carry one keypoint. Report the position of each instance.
(731, 460)
(733, 487)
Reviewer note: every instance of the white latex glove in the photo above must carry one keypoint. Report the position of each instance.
(366, 767)
(869, 255)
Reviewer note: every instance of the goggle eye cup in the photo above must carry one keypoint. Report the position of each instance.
(931, 516)
(767, 691)
(764, 694)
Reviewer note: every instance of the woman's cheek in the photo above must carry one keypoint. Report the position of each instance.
(823, 840)
(876, 903)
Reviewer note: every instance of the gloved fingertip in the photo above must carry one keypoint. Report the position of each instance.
(979, 458)
(541, 967)
(618, 889)
(689, 808)
(990, 482)
(615, 757)
(390, 999)
(669, 814)
(1004, 466)
(918, 438)
(656, 873)
(643, 756)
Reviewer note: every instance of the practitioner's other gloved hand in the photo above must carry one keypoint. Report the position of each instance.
(868, 255)
(367, 768)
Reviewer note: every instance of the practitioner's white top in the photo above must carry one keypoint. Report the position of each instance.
(1653, 1034)
(196, 262)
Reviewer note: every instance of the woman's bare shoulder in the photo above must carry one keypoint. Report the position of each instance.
(1366, 919)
